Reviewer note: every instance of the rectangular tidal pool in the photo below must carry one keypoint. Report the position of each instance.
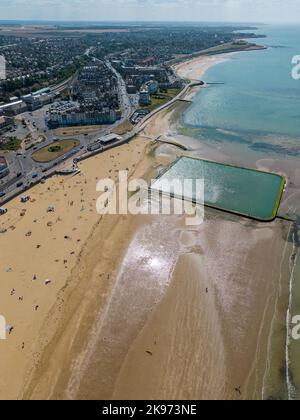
(243, 191)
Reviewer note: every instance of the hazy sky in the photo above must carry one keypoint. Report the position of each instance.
(184, 10)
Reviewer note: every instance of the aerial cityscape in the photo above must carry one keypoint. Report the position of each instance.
(149, 202)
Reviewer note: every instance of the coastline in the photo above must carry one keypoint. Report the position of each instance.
(113, 300)
(196, 68)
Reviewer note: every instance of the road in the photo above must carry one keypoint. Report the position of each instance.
(124, 98)
(126, 105)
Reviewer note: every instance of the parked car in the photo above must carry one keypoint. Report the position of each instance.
(2, 194)
(25, 199)
(20, 184)
(19, 174)
(2, 211)
(34, 176)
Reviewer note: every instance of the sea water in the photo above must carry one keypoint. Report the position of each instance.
(258, 106)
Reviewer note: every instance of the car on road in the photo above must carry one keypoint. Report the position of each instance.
(20, 184)
(19, 174)
(2, 211)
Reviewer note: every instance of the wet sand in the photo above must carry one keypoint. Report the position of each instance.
(184, 313)
(137, 307)
(203, 341)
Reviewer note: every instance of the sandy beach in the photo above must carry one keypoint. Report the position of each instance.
(138, 306)
(197, 67)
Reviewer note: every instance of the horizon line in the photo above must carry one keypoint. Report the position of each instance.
(146, 21)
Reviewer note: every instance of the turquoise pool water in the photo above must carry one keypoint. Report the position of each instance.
(239, 190)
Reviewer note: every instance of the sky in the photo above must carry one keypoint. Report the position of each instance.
(153, 10)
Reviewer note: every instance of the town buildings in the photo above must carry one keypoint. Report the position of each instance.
(38, 99)
(144, 98)
(5, 123)
(4, 170)
(95, 99)
(81, 117)
(13, 108)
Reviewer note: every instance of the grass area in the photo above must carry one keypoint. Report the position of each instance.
(72, 131)
(162, 98)
(123, 128)
(12, 144)
(218, 49)
(55, 150)
(232, 46)
(30, 142)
